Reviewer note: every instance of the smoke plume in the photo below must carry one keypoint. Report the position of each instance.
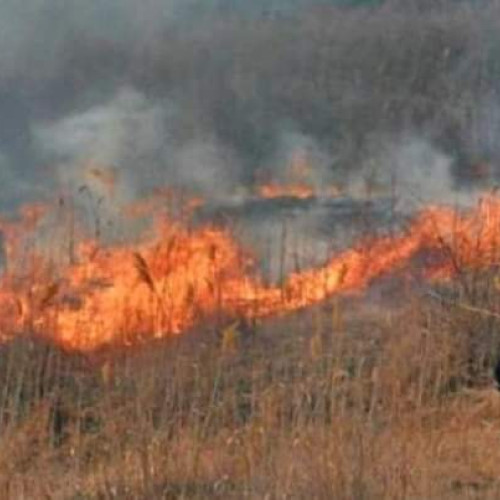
(213, 96)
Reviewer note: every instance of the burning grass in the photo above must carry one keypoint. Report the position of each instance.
(355, 404)
(179, 276)
(351, 395)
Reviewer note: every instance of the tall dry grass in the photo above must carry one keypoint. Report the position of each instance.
(390, 396)
(343, 401)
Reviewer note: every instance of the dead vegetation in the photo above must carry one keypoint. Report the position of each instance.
(349, 399)
(338, 402)
(385, 394)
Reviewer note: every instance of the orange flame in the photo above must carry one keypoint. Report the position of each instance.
(273, 190)
(298, 182)
(174, 281)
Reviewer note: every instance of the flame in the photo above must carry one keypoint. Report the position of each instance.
(298, 182)
(182, 276)
(298, 190)
(274, 190)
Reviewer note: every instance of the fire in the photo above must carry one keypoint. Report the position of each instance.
(298, 190)
(298, 182)
(157, 289)
(274, 190)
(181, 276)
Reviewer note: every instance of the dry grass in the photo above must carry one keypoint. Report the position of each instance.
(344, 401)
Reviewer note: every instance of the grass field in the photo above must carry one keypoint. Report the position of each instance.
(359, 398)
(239, 253)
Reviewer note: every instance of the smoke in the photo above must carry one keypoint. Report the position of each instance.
(118, 152)
(35, 34)
(483, 143)
(422, 173)
(106, 100)
(205, 167)
(166, 92)
(299, 157)
(126, 135)
(289, 244)
(413, 170)
(13, 186)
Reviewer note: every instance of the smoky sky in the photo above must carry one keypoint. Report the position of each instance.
(57, 59)
(74, 86)
(79, 82)
(208, 94)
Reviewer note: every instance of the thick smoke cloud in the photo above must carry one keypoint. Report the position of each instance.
(34, 35)
(126, 134)
(210, 94)
(135, 138)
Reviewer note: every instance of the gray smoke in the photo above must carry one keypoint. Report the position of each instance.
(208, 95)
(127, 135)
(35, 34)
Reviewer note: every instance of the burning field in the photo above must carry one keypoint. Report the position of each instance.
(168, 365)
(249, 250)
(146, 353)
(177, 275)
